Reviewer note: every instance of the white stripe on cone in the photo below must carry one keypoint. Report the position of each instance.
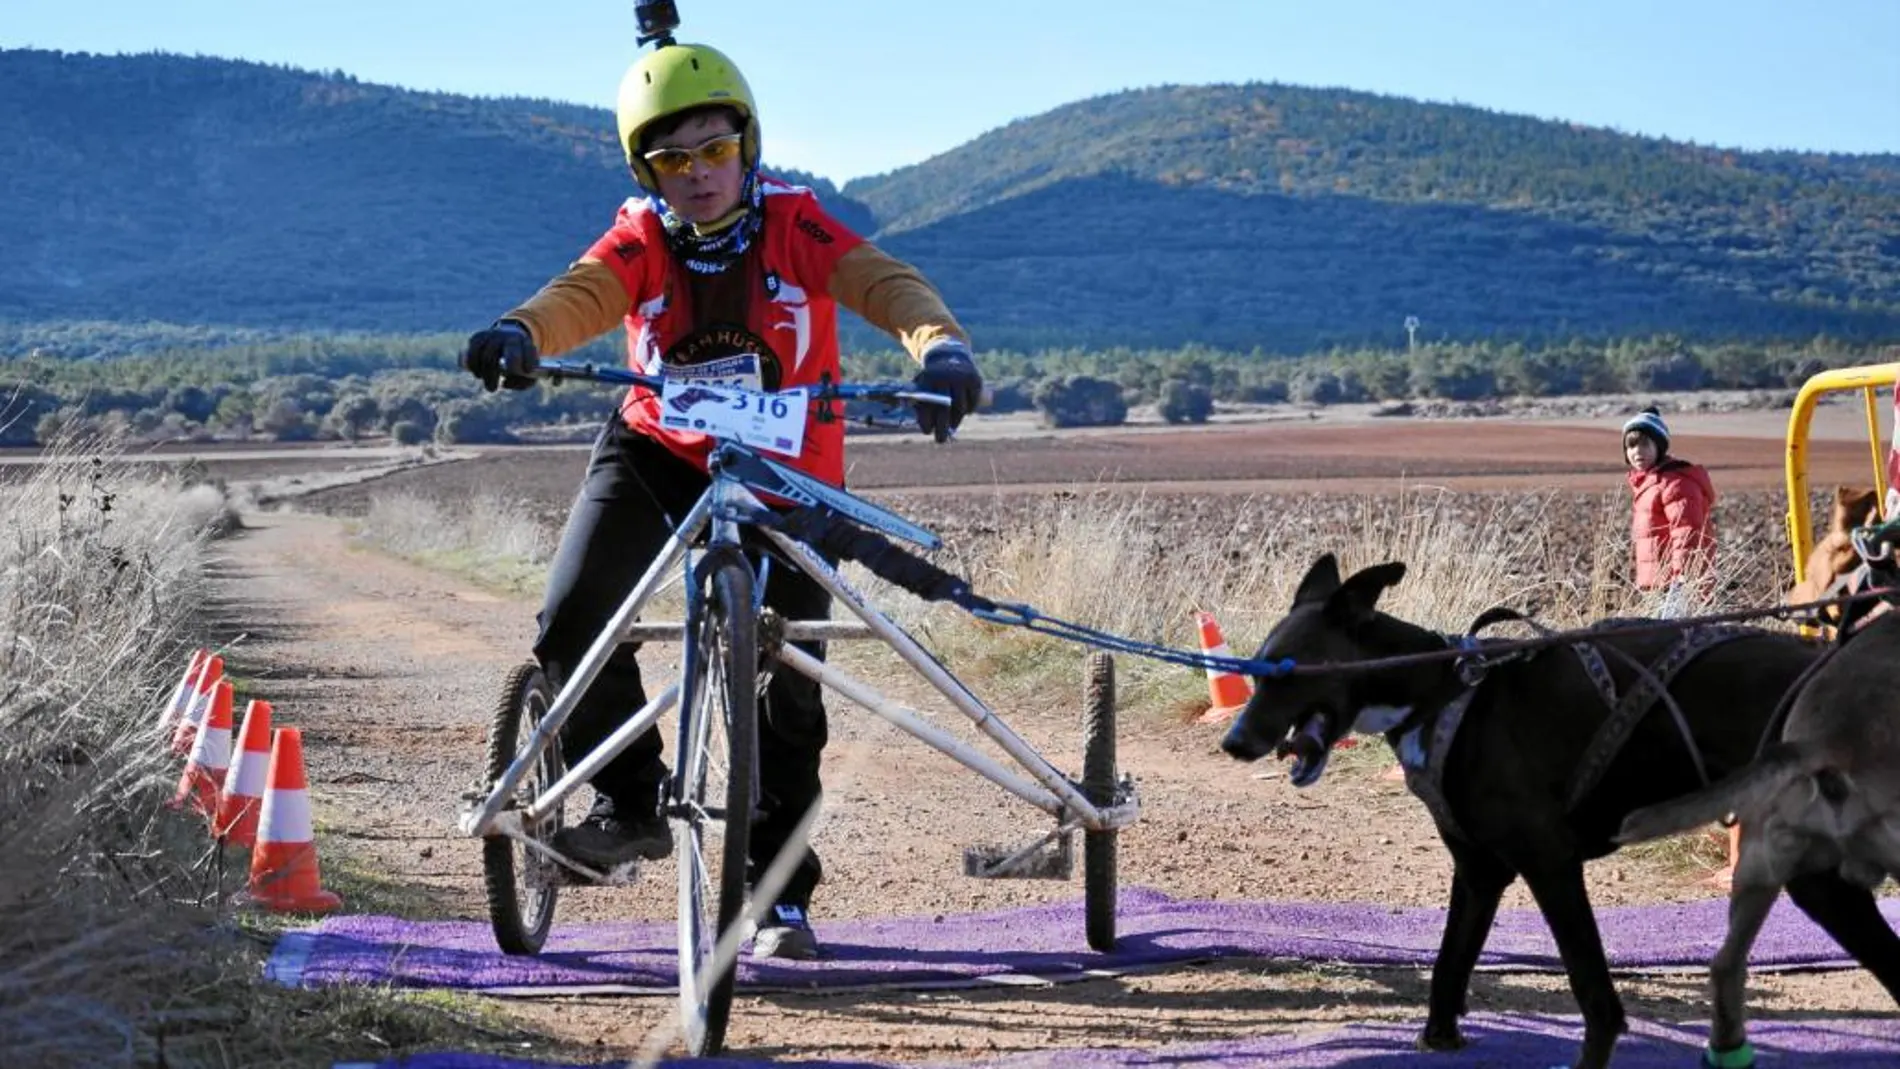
(205, 685)
(195, 712)
(182, 698)
(1221, 649)
(211, 750)
(201, 701)
(246, 776)
(285, 817)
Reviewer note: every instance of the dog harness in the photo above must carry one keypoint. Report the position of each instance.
(1424, 762)
(1424, 749)
(1652, 686)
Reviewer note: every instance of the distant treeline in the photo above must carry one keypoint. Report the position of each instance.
(242, 386)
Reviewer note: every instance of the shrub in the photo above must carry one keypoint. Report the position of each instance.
(1081, 401)
(1183, 401)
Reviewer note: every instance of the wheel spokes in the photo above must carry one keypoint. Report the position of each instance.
(712, 799)
(701, 805)
(535, 872)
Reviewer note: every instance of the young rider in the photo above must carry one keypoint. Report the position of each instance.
(723, 273)
(1672, 534)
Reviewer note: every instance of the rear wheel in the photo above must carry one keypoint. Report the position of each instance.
(712, 795)
(1098, 786)
(521, 885)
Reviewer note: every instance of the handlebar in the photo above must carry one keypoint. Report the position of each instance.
(888, 392)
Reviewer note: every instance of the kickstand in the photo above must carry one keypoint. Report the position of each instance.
(593, 878)
(1032, 861)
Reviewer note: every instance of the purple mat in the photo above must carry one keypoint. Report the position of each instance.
(1032, 945)
(1497, 1041)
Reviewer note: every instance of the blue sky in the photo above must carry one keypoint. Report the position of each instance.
(853, 87)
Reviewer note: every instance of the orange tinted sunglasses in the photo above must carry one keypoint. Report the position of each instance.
(712, 152)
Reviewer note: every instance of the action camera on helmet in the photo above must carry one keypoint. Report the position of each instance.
(658, 19)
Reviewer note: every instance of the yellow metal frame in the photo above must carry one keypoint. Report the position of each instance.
(1870, 380)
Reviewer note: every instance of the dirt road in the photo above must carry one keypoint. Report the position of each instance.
(389, 669)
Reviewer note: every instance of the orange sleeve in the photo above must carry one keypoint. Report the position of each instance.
(894, 297)
(582, 303)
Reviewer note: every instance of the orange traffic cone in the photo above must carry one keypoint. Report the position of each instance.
(208, 676)
(1226, 691)
(183, 693)
(284, 873)
(243, 792)
(210, 756)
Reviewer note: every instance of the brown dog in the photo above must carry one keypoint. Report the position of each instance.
(1833, 555)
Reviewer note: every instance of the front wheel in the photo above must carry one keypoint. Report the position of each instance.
(521, 885)
(1098, 786)
(712, 794)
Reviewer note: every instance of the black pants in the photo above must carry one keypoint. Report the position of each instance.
(634, 494)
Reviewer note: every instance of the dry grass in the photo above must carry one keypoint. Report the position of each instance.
(1137, 567)
(114, 949)
(490, 539)
(1130, 566)
(99, 945)
(488, 526)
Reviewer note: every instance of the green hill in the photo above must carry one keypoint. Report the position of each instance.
(208, 192)
(1303, 217)
(193, 190)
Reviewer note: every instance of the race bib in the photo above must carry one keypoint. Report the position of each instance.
(769, 421)
(741, 371)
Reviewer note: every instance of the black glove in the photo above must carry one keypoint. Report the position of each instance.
(502, 355)
(948, 370)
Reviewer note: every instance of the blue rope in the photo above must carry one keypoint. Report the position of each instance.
(1027, 618)
(1457, 646)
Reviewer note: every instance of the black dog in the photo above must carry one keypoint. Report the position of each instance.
(1825, 799)
(1551, 750)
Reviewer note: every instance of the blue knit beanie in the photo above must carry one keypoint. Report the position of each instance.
(1650, 422)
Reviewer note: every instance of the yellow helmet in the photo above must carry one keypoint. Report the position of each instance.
(671, 79)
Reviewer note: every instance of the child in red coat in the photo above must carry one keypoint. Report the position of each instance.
(1670, 526)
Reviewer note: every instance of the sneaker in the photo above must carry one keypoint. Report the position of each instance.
(785, 933)
(605, 840)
